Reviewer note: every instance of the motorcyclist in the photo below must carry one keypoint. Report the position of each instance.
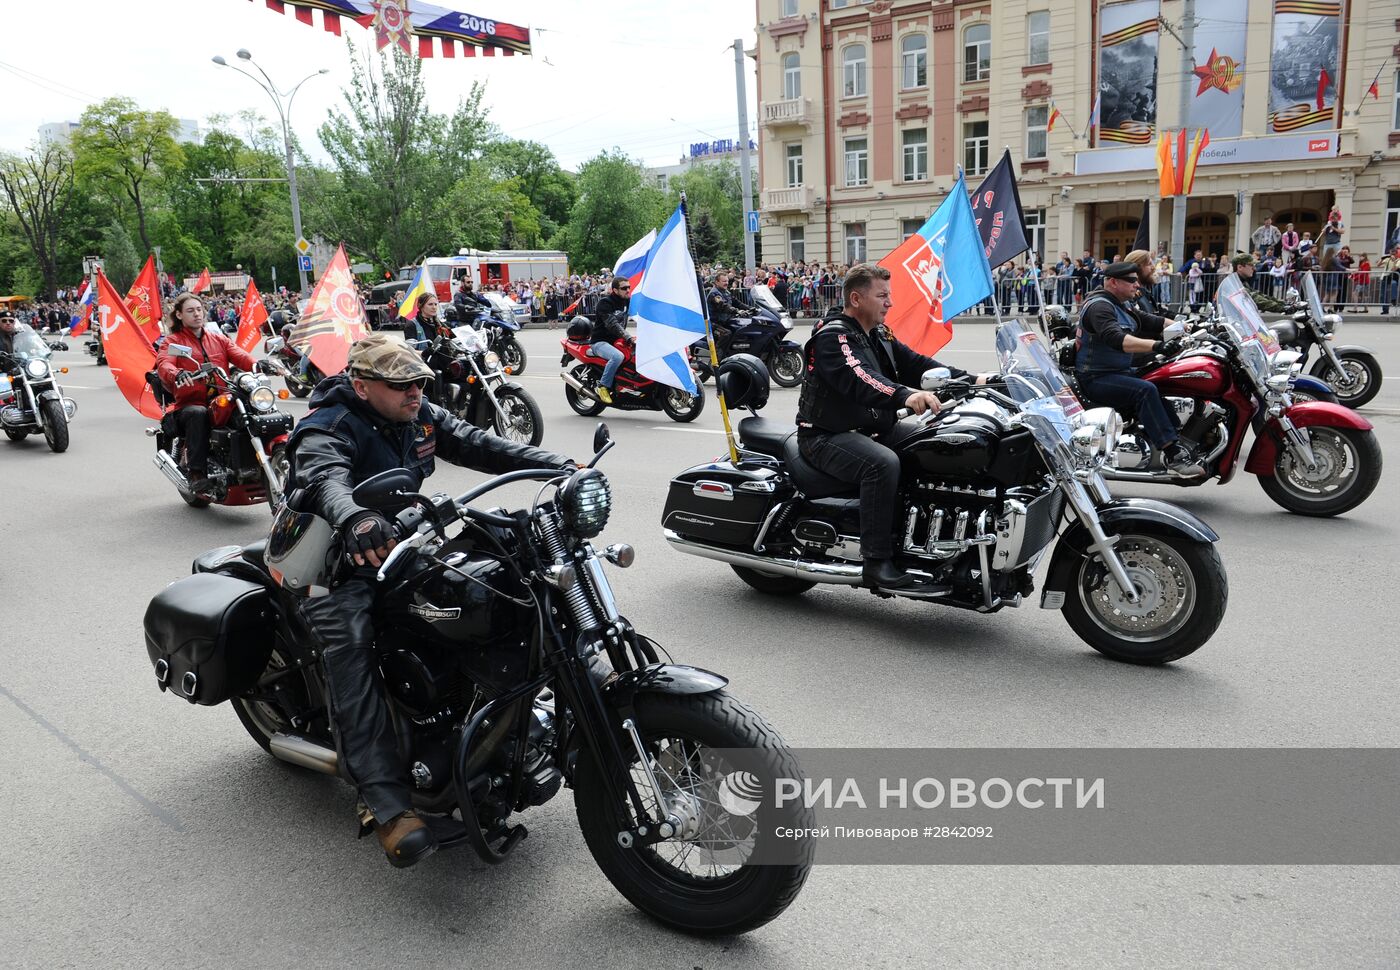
(1147, 282)
(608, 327)
(1243, 265)
(1110, 331)
(466, 298)
(9, 323)
(857, 377)
(723, 312)
(190, 419)
(371, 418)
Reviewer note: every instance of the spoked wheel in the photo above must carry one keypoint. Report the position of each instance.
(586, 406)
(1181, 589)
(1360, 382)
(1304, 396)
(786, 367)
(701, 880)
(513, 356)
(1347, 469)
(264, 718)
(518, 418)
(681, 406)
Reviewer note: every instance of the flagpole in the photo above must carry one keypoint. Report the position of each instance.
(710, 339)
(1374, 81)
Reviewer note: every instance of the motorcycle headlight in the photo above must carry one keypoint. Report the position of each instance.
(491, 361)
(262, 398)
(1287, 362)
(786, 321)
(585, 501)
(1096, 436)
(37, 369)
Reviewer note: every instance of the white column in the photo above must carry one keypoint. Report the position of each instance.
(1244, 224)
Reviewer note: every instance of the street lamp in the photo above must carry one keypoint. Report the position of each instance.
(284, 111)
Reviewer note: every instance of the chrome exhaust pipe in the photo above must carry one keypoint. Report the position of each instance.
(574, 382)
(171, 470)
(297, 750)
(838, 574)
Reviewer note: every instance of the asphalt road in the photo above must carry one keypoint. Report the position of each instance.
(144, 832)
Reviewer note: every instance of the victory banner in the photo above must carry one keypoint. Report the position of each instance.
(1306, 59)
(1217, 100)
(1128, 72)
(334, 319)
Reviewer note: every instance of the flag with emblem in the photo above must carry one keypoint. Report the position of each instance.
(667, 307)
(334, 318)
(203, 283)
(996, 208)
(251, 318)
(129, 354)
(143, 300)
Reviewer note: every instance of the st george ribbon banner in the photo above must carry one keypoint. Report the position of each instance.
(1128, 72)
(1217, 94)
(1303, 81)
(411, 25)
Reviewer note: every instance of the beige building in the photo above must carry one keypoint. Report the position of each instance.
(867, 108)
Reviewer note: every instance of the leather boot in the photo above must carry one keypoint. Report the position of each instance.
(406, 839)
(884, 574)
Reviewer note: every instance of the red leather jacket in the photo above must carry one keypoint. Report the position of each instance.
(213, 346)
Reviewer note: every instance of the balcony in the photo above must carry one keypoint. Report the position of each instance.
(793, 111)
(797, 199)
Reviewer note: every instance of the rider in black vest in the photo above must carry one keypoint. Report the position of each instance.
(363, 422)
(858, 376)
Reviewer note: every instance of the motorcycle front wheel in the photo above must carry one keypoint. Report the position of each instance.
(1359, 385)
(701, 881)
(786, 367)
(513, 356)
(518, 417)
(55, 425)
(1347, 472)
(1182, 592)
(682, 407)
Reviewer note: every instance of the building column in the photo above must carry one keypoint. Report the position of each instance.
(1244, 223)
(1154, 227)
(1345, 195)
(1068, 235)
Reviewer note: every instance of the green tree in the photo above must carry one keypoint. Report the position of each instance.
(617, 204)
(705, 239)
(127, 152)
(539, 179)
(119, 257)
(39, 191)
(717, 191)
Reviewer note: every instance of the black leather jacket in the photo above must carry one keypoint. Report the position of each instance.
(344, 441)
(857, 381)
(607, 328)
(721, 304)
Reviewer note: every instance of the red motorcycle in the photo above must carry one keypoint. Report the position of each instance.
(631, 391)
(1312, 458)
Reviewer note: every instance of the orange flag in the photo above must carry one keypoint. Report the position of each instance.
(334, 318)
(143, 300)
(251, 318)
(1198, 145)
(204, 282)
(1166, 178)
(129, 355)
(1180, 184)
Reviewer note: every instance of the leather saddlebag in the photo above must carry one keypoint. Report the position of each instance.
(209, 636)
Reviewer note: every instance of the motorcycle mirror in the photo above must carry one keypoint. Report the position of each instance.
(601, 436)
(390, 490)
(936, 379)
(178, 350)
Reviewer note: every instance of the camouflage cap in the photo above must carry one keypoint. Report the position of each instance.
(384, 358)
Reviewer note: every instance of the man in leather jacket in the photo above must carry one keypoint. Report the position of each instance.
(9, 323)
(465, 297)
(608, 327)
(858, 376)
(723, 312)
(370, 419)
(1111, 329)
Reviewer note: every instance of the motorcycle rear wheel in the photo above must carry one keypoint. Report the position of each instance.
(771, 584)
(55, 425)
(262, 720)
(587, 407)
(1291, 489)
(683, 732)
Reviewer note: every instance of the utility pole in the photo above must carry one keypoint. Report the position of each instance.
(745, 175)
(1188, 61)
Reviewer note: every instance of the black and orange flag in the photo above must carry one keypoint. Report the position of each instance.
(334, 318)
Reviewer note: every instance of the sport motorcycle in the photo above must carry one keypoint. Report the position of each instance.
(1003, 474)
(632, 391)
(1351, 371)
(472, 383)
(762, 331)
(510, 674)
(31, 400)
(499, 326)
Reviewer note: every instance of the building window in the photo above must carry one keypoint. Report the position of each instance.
(1035, 131)
(794, 166)
(1392, 218)
(792, 76)
(797, 244)
(1038, 37)
(855, 242)
(908, 227)
(853, 71)
(915, 154)
(789, 8)
(858, 160)
(1035, 230)
(977, 53)
(975, 147)
(913, 51)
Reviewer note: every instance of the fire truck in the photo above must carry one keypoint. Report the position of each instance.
(488, 268)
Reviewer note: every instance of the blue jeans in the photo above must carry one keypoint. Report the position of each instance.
(613, 356)
(1135, 397)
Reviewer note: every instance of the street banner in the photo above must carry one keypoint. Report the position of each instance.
(1217, 100)
(1306, 58)
(996, 209)
(143, 300)
(129, 354)
(937, 273)
(411, 25)
(667, 307)
(1128, 72)
(204, 282)
(251, 318)
(334, 318)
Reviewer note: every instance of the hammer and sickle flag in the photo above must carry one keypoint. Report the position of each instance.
(334, 318)
(129, 354)
(143, 300)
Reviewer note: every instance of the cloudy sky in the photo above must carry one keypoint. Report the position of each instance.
(650, 76)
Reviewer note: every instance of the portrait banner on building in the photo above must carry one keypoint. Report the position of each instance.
(1306, 56)
(1128, 72)
(1217, 99)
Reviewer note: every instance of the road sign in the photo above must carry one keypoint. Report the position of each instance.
(303, 247)
(751, 220)
(304, 262)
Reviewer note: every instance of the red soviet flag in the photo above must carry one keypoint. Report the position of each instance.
(204, 282)
(251, 318)
(129, 355)
(334, 318)
(143, 300)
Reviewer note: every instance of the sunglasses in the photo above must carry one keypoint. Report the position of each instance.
(402, 386)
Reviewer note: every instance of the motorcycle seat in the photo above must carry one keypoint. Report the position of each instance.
(809, 479)
(764, 436)
(254, 553)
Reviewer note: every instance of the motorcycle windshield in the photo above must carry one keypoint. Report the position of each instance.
(504, 309)
(1312, 296)
(763, 296)
(1256, 342)
(1035, 381)
(29, 345)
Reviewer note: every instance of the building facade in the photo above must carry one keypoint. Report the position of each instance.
(703, 153)
(60, 132)
(867, 109)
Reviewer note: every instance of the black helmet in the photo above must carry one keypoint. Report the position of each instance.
(1057, 315)
(743, 380)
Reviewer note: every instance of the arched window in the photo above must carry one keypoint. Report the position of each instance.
(977, 52)
(913, 51)
(792, 76)
(853, 71)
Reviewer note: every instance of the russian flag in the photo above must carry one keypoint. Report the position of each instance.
(632, 263)
(79, 323)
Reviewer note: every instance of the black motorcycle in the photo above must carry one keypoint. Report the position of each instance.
(510, 673)
(991, 483)
(761, 329)
(1352, 371)
(31, 400)
(471, 383)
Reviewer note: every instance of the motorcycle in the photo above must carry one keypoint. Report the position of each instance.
(302, 375)
(247, 437)
(1351, 371)
(631, 390)
(1311, 457)
(510, 673)
(93, 346)
(761, 330)
(499, 326)
(31, 400)
(471, 383)
(1003, 474)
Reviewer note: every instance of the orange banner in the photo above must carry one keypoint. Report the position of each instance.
(129, 355)
(251, 318)
(143, 300)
